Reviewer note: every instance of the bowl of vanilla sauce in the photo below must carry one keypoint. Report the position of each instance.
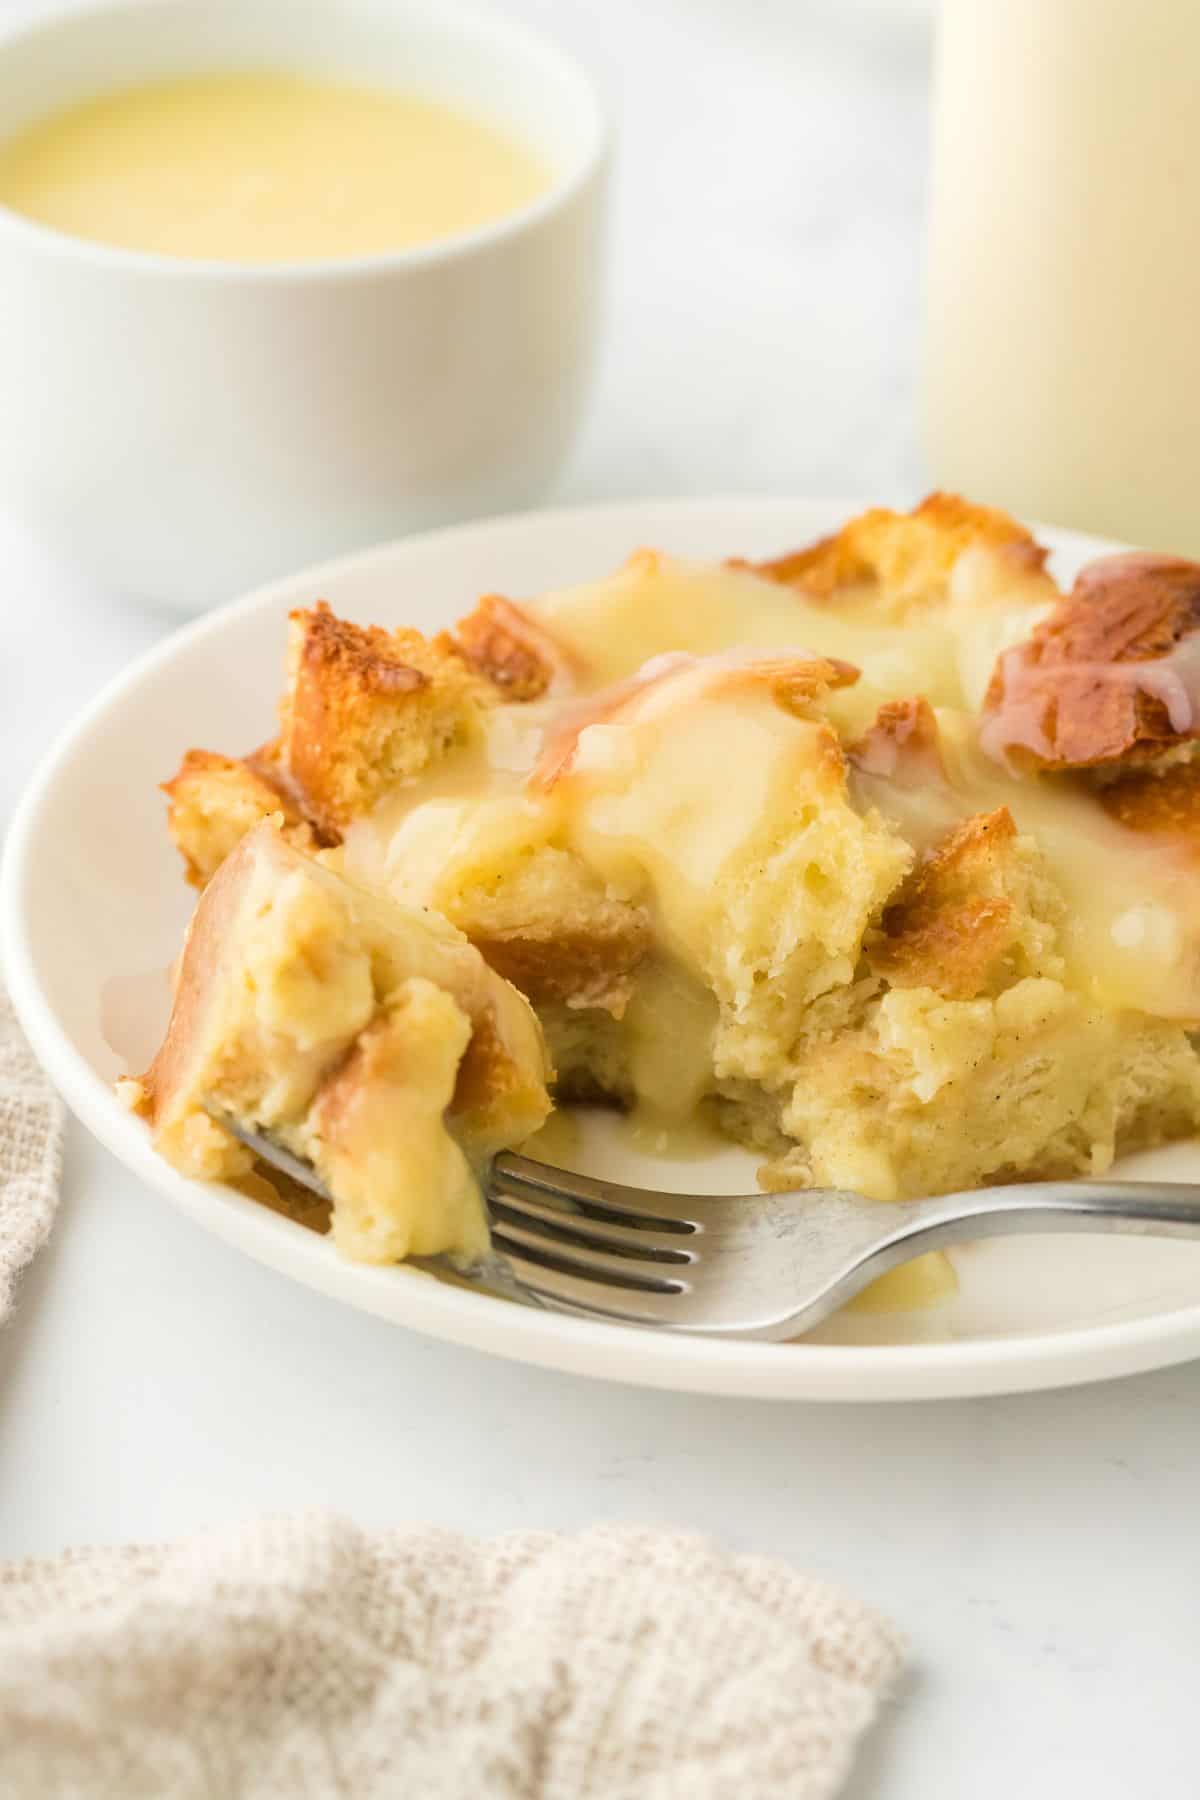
(282, 281)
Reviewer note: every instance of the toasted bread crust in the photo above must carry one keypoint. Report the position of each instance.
(366, 708)
(548, 925)
(795, 685)
(903, 745)
(1161, 803)
(504, 644)
(214, 800)
(363, 656)
(1095, 683)
(906, 556)
(591, 964)
(941, 931)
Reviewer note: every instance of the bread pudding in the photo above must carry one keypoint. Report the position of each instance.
(365, 1038)
(880, 855)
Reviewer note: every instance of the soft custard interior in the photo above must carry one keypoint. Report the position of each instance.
(369, 1040)
(705, 794)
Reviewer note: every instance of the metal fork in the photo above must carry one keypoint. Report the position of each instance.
(747, 1265)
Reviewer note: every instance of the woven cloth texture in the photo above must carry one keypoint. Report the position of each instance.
(31, 1134)
(304, 1657)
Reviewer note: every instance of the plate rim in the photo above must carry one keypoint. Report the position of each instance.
(628, 1354)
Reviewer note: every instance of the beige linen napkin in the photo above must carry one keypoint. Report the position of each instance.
(303, 1657)
(31, 1131)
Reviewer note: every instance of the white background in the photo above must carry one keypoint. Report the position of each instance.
(1042, 1551)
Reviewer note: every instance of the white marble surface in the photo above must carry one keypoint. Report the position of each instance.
(1040, 1551)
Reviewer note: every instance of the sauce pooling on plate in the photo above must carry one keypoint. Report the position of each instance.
(264, 167)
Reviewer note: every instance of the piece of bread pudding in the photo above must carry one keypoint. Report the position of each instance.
(879, 854)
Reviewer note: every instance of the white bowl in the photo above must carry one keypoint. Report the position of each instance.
(92, 906)
(186, 428)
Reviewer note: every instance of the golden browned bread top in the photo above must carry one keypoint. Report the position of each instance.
(907, 557)
(796, 682)
(367, 708)
(950, 923)
(902, 745)
(1113, 675)
(214, 800)
(503, 643)
(362, 708)
(1160, 802)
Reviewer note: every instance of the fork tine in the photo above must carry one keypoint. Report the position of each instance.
(576, 1275)
(583, 1230)
(574, 1293)
(609, 1269)
(268, 1151)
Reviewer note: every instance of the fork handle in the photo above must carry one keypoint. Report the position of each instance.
(1135, 1208)
(1150, 1208)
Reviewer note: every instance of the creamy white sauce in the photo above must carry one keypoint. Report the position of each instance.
(672, 767)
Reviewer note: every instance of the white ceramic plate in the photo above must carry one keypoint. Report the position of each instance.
(93, 905)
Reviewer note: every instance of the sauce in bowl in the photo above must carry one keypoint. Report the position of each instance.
(267, 168)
